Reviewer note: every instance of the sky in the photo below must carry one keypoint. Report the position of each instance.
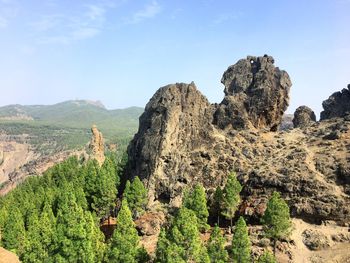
(120, 52)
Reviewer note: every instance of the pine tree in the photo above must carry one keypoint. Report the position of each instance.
(231, 198)
(182, 242)
(125, 241)
(276, 219)
(197, 202)
(216, 247)
(101, 186)
(267, 257)
(47, 230)
(74, 240)
(217, 203)
(241, 246)
(136, 195)
(167, 251)
(34, 250)
(14, 234)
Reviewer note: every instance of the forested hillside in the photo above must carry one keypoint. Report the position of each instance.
(66, 125)
(57, 218)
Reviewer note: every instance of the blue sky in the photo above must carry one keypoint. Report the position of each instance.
(121, 52)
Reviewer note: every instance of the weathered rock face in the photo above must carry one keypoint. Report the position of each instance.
(337, 105)
(303, 117)
(256, 95)
(173, 128)
(315, 240)
(181, 142)
(97, 145)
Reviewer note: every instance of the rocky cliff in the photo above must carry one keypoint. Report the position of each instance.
(183, 140)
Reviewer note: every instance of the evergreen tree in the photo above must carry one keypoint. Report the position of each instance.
(14, 234)
(136, 195)
(231, 198)
(267, 257)
(216, 247)
(47, 230)
(197, 202)
(34, 251)
(182, 242)
(124, 245)
(74, 241)
(167, 251)
(217, 203)
(276, 219)
(241, 246)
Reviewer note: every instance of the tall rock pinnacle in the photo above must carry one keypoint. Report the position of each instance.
(97, 145)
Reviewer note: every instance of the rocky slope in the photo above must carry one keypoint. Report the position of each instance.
(184, 140)
(18, 159)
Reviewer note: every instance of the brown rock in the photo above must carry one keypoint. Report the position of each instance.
(303, 117)
(315, 240)
(337, 105)
(256, 94)
(97, 145)
(174, 126)
(181, 143)
(150, 223)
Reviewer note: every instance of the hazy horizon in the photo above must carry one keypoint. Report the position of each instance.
(121, 52)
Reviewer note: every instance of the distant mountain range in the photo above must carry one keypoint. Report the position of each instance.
(73, 113)
(34, 137)
(68, 123)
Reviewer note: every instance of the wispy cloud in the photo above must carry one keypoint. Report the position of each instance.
(47, 22)
(3, 22)
(95, 12)
(149, 11)
(223, 18)
(65, 29)
(8, 11)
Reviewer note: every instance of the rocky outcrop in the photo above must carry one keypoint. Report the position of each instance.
(184, 140)
(173, 128)
(303, 117)
(97, 145)
(256, 95)
(315, 240)
(337, 105)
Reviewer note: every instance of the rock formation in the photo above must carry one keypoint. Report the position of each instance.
(256, 95)
(97, 145)
(175, 124)
(303, 117)
(337, 105)
(184, 140)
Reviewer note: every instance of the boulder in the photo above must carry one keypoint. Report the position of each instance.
(303, 117)
(256, 94)
(315, 240)
(150, 223)
(337, 105)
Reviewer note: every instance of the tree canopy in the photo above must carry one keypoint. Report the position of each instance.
(276, 219)
(230, 197)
